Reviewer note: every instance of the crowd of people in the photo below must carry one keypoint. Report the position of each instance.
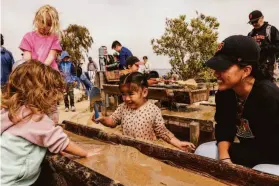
(247, 102)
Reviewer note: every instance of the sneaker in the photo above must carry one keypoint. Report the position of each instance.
(73, 108)
(66, 109)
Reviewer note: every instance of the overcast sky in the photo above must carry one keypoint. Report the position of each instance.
(133, 22)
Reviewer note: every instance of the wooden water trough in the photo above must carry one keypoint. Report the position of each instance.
(227, 173)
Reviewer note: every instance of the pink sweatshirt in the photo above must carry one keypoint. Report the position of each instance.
(43, 133)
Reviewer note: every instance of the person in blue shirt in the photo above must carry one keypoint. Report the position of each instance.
(67, 68)
(124, 53)
(7, 62)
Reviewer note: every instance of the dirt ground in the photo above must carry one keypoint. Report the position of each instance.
(81, 107)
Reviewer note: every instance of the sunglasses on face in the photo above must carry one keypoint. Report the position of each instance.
(254, 22)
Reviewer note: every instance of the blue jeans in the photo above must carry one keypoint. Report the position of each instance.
(210, 150)
(86, 82)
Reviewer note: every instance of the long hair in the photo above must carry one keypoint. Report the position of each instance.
(35, 86)
(41, 18)
(260, 71)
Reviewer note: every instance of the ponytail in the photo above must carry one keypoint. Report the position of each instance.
(263, 72)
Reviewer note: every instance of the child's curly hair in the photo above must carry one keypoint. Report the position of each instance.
(35, 86)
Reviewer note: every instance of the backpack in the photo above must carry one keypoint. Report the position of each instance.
(267, 31)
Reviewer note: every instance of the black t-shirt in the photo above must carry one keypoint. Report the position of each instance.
(259, 130)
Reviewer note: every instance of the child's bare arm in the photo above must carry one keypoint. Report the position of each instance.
(74, 149)
(183, 145)
(162, 132)
(27, 55)
(107, 121)
(51, 56)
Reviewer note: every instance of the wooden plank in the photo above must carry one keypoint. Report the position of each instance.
(194, 133)
(159, 93)
(205, 125)
(111, 89)
(234, 174)
(67, 172)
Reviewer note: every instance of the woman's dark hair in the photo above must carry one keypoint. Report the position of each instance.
(111, 59)
(153, 74)
(261, 71)
(116, 56)
(134, 81)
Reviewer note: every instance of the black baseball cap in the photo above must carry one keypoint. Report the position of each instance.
(235, 49)
(133, 60)
(254, 16)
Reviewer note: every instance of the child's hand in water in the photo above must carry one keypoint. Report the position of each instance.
(186, 146)
(93, 152)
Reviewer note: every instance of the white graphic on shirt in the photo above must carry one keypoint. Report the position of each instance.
(243, 130)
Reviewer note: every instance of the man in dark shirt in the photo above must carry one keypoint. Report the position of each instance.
(267, 36)
(7, 62)
(124, 53)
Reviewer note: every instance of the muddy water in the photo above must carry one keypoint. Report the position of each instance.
(130, 167)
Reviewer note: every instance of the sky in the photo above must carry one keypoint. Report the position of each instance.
(132, 22)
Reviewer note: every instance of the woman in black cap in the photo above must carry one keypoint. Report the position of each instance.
(247, 107)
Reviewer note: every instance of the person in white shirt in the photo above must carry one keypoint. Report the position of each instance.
(146, 67)
(92, 68)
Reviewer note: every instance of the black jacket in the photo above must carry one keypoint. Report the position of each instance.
(269, 46)
(259, 140)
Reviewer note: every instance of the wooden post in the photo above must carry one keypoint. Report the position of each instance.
(115, 102)
(194, 133)
(103, 107)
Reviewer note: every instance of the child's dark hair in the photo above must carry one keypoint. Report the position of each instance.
(134, 81)
(153, 74)
(115, 43)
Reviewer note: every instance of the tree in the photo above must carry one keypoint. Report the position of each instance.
(189, 45)
(76, 40)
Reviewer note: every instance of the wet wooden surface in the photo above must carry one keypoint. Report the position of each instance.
(231, 173)
(130, 167)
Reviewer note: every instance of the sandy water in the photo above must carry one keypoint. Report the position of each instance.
(130, 167)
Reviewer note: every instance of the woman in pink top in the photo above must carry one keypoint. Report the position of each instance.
(43, 43)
